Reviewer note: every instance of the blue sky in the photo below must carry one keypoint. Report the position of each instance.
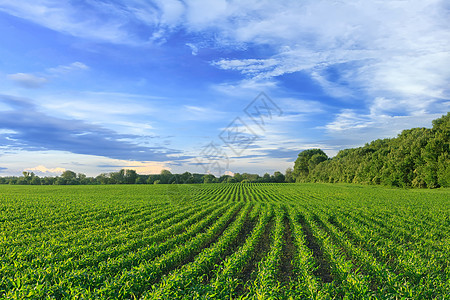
(96, 86)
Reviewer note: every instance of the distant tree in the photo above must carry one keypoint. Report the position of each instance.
(289, 177)
(266, 178)
(231, 180)
(35, 181)
(209, 178)
(278, 177)
(130, 176)
(417, 157)
(165, 176)
(48, 180)
(22, 181)
(186, 177)
(250, 177)
(82, 178)
(103, 178)
(224, 178)
(117, 177)
(152, 178)
(306, 161)
(69, 175)
(140, 179)
(238, 177)
(198, 178)
(60, 181)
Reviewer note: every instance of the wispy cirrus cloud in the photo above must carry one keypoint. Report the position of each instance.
(32, 81)
(69, 18)
(388, 57)
(28, 80)
(351, 127)
(194, 48)
(64, 69)
(30, 129)
(394, 47)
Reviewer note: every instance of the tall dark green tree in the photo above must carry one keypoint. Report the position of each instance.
(165, 176)
(417, 157)
(306, 161)
(130, 176)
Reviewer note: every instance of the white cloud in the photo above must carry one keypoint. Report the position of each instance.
(381, 49)
(28, 80)
(392, 56)
(63, 69)
(197, 113)
(194, 48)
(60, 161)
(246, 88)
(43, 169)
(7, 131)
(248, 66)
(171, 11)
(355, 129)
(124, 113)
(348, 119)
(141, 167)
(100, 21)
(201, 13)
(297, 106)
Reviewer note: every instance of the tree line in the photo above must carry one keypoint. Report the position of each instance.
(126, 176)
(417, 157)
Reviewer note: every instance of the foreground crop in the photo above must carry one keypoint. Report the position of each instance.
(222, 241)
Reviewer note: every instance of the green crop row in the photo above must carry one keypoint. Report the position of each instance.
(224, 241)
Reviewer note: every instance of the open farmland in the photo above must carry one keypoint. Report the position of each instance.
(222, 241)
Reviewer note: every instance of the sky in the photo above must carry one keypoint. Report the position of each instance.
(212, 86)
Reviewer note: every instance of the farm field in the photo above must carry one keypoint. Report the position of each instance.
(224, 241)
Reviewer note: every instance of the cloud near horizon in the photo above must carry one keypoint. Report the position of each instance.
(33, 130)
(45, 170)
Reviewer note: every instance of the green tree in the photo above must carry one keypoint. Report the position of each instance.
(209, 178)
(67, 177)
(35, 181)
(224, 178)
(140, 179)
(103, 178)
(231, 179)
(306, 161)
(186, 177)
(238, 177)
(288, 176)
(165, 176)
(278, 177)
(130, 176)
(152, 178)
(417, 157)
(266, 177)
